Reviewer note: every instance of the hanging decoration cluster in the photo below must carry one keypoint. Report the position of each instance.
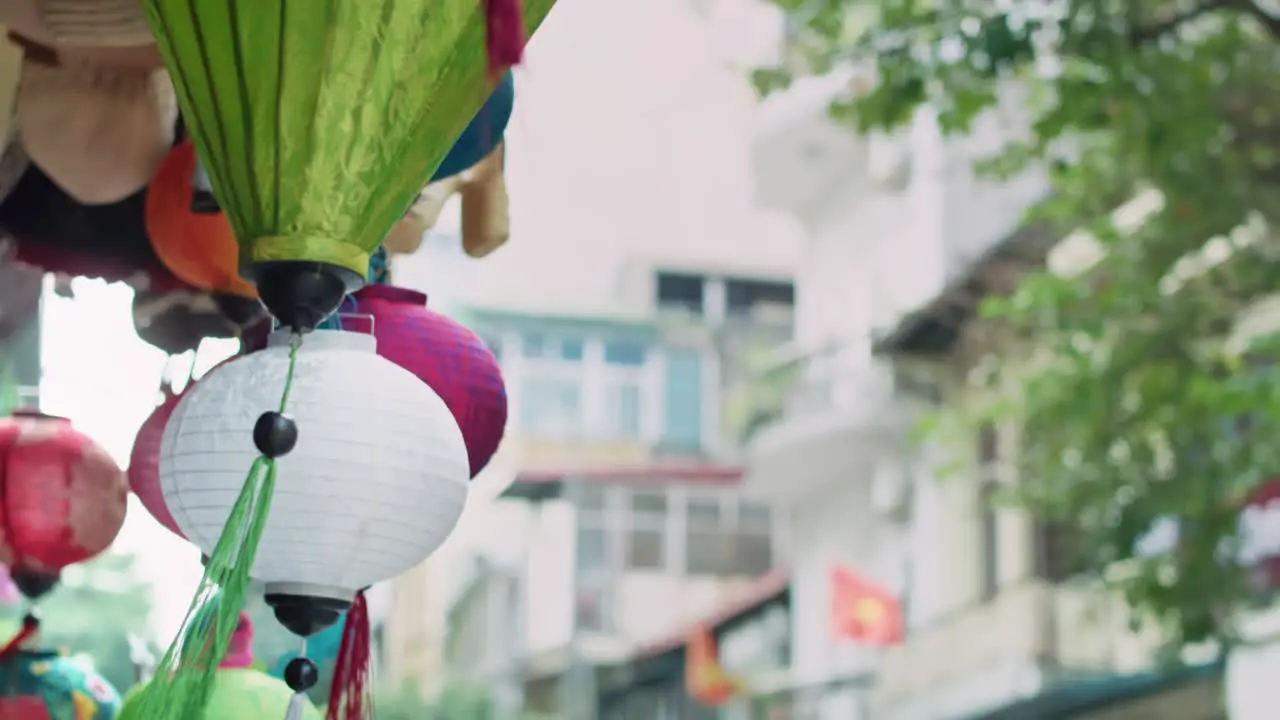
(100, 178)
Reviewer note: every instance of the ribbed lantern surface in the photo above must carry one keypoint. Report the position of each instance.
(62, 498)
(446, 355)
(144, 464)
(375, 484)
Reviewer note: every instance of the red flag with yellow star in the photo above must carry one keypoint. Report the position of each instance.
(705, 678)
(864, 611)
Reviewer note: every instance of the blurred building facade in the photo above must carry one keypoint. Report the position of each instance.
(638, 285)
(902, 242)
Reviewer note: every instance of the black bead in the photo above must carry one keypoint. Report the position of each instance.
(301, 674)
(275, 434)
(31, 621)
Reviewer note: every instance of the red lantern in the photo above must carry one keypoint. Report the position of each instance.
(62, 497)
(445, 355)
(144, 463)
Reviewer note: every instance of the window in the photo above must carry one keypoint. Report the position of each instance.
(681, 291)
(626, 354)
(726, 536)
(742, 297)
(646, 549)
(593, 550)
(591, 498)
(551, 406)
(537, 346)
(704, 514)
(682, 400)
(623, 379)
(649, 503)
(622, 408)
(647, 530)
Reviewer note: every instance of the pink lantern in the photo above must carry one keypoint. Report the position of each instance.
(63, 496)
(445, 355)
(144, 463)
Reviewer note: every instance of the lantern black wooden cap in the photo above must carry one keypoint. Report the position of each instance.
(301, 294)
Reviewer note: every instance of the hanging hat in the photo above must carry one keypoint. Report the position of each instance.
(98, 132)
(95, 23)
(486, 219)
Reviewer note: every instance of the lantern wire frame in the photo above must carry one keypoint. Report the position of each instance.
(184, 678)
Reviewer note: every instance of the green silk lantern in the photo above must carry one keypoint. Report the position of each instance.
(318, 123)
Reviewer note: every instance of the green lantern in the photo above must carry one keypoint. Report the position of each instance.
(319, 121)
(235, 695)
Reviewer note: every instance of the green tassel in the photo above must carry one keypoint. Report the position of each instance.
(184, 678)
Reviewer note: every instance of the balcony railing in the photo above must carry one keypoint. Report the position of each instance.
(797, 385)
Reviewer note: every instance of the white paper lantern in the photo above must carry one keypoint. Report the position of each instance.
(376, 482)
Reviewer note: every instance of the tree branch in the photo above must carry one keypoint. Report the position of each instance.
(1269, 22)
(1144, 35)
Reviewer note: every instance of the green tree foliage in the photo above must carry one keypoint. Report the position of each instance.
(93, 612)
(1130, 404)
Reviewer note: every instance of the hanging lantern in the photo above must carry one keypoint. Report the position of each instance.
(445, 355)
(63, 499)
(376, 481)
(42, 685)
(144, 464)
(483, 134)
(314, 162)
(197, 247)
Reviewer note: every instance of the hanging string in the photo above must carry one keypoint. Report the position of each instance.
(184, 677)
(301, 674)
(30, 626)
(379, 274)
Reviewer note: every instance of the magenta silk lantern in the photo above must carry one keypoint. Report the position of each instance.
(445, 355)
(144, 463)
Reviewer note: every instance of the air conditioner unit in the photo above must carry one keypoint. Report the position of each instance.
(891, 490)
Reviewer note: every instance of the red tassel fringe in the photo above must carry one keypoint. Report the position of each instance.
(505, 34)
(351, 695)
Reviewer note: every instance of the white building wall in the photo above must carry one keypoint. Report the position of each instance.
(629, 148)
